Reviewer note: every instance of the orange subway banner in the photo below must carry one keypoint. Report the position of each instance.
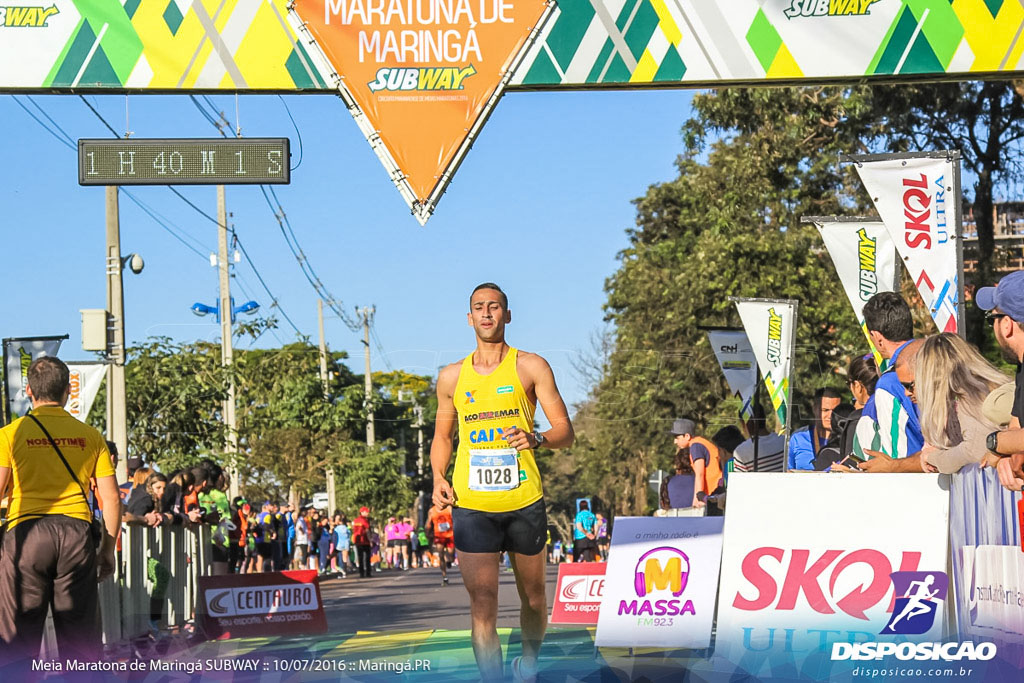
(423, 72)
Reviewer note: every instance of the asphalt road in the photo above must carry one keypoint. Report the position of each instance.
(394, 600)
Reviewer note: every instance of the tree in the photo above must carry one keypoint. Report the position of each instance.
(982, 119)
(371, 477)
(727, 225)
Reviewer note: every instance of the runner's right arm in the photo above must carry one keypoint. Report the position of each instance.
(444, 432)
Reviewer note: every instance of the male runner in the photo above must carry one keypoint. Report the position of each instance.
(490, 397)
(439, 523)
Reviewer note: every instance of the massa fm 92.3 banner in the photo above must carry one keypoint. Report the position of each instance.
(421, 76)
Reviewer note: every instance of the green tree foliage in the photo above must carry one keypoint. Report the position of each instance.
(371, 477)
(290, 430)
(727, 225)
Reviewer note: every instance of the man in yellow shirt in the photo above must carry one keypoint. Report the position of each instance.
(49, 557)
(496, 495)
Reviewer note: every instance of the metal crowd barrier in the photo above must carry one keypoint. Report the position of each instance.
(125, 598)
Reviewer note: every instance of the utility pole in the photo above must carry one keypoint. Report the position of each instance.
(117, 412)
(332, 499)
(367, 315)
(226, 313)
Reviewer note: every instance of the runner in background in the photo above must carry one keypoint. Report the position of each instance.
(439, 524)
(361, 540)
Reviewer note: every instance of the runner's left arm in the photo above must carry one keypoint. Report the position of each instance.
(561, 434)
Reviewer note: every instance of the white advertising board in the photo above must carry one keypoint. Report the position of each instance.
(808, 561)
(660, 582)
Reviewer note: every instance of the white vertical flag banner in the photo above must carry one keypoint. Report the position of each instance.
(86, 379)
(770, 326)
(736, 358)
(18, 355)
(865, 259)
(916, 198)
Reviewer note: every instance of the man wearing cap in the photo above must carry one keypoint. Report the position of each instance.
(707, 471)
(1004, 304)
(361, 540)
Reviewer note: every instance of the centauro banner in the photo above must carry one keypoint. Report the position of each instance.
(771, 327)
(424, 73)
(736, 358)
(86, 379)
(865, 259)
(916, 196)
(18, 356)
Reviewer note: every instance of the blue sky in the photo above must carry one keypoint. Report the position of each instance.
(540, 206)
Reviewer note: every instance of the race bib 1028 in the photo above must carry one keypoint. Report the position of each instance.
(493, 469)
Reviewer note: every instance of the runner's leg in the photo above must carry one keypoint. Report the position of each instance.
(480, 575)
(533, 610)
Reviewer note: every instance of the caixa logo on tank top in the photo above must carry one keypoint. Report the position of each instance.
(660, 579)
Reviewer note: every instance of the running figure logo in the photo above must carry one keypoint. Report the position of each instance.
(918, 595)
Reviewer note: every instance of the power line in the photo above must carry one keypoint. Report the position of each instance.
(380, 348)
(161, 222)
(298, 134)
(99, 116)
(274, 301)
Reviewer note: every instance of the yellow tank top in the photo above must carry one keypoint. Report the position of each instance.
(490, 476)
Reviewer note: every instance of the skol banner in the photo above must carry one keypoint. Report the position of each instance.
(18, 356)
(771, 328)
(797, 591)
(424, 73)
(86, 379)
(916, 196)
(736, 358)
(865, 259)
(659, 587)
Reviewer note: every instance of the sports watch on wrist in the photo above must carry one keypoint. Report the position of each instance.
(539, 437)
(992, 442)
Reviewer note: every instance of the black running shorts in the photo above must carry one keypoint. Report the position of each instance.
(521, 531)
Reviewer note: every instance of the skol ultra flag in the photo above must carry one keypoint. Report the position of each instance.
(916, 199)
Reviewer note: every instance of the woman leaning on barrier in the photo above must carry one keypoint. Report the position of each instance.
(951, 382)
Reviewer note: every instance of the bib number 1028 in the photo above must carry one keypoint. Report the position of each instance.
(490, 476)
(493, 469)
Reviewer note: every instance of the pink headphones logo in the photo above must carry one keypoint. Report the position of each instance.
(669, 570)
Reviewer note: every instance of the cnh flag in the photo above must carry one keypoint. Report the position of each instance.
(18, 355)
(86, 379)
(917, 200)
(771, 329)
(736, 358)
(865, 259)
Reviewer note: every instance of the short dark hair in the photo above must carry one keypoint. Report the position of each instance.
(757, 414)
(48, 378)
(863, 369)
(889, 315)
(728, 438)
(490, 285)
(824, 392)
(584, 505)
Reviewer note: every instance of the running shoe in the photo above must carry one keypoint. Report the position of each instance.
(444, 580)
(517, 674)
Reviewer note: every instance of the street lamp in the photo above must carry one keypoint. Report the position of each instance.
(248, 308)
